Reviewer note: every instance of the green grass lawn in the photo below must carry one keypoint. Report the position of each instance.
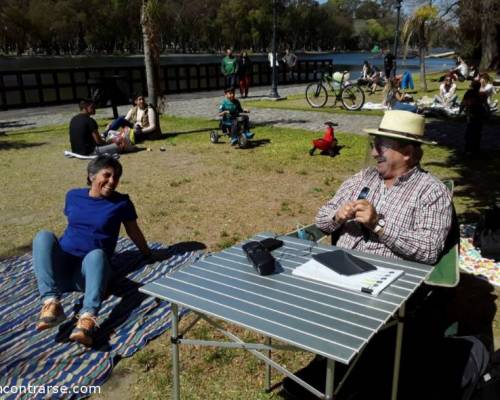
(213, 194)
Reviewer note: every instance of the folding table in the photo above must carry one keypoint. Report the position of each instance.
(299, 313)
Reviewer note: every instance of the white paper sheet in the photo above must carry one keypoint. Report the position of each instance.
(371, 282)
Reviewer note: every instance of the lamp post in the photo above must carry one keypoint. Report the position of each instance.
(396, 38)
(274, 79)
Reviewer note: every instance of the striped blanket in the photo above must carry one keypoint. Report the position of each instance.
(44, 362)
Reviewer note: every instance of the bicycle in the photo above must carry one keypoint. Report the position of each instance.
(350, 95)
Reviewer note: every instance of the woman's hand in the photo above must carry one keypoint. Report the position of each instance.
(135, 234)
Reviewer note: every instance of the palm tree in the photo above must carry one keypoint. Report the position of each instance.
(150, 22)
(420, 24)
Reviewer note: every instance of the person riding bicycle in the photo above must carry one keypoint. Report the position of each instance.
(230, 109)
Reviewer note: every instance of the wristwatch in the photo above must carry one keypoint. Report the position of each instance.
(380, 225)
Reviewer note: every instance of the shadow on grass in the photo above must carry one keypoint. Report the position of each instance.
(280, 121)
(18, 144)
(254, 143)
(14, 124)
(167, 135)
(478, 177)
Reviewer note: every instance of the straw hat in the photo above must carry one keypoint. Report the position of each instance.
(397, 124)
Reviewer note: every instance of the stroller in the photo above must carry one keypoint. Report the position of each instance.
(225, 130)
(328, 144)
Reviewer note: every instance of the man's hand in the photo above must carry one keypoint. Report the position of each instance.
(365, 213)
(345, 212)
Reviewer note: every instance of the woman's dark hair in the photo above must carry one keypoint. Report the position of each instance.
(135, 96)
(102, 162)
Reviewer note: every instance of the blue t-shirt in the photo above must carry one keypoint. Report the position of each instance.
(94, 223)
(234, 108)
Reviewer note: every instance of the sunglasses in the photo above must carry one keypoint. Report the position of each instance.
(381, 145)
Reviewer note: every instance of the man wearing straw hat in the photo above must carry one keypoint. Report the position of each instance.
(407, 212)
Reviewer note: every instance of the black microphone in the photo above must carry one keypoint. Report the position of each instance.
(362, 196)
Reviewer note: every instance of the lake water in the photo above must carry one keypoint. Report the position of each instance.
(350, 61)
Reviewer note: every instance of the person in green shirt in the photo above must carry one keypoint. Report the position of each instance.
(230, 109)
(229, 68)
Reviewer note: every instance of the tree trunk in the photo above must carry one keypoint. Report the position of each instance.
(421, 55)
(151, 53)
(489, 49)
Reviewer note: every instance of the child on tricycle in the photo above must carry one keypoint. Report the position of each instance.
(233, 122)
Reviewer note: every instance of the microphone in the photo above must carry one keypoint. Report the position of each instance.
(362, 196)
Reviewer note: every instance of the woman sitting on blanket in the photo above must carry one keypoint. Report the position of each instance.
(488, 89)
(142, 117)
(447, 93)
(395, 98)
(80, 259)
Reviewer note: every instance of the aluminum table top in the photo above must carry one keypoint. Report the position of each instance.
(334, 322)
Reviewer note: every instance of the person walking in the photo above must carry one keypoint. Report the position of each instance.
(290, 61)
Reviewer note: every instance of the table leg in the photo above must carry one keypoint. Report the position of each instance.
(397, 355)
(330, 375)
(176, 395)
(268, 367)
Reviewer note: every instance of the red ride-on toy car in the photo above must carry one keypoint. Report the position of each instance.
(328, 144)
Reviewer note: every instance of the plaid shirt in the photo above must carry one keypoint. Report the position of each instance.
(417, 210)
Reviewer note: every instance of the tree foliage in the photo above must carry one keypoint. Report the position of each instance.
(421, 25)
(113, 26)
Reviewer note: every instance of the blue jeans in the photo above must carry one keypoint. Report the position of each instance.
(230, 81)
(119, 123)
(404, 106)
(57, 272)
(407, 81)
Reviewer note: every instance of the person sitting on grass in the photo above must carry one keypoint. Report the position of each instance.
(230, 109)
(395, 98)
(375, 79)
(144, 118)
(140, 123)
(447, 93)
(461, 71)
(366, 72)
(84, 133)
(80, 259)
(488, 89)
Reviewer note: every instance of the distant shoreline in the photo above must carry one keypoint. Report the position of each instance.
(350, 59)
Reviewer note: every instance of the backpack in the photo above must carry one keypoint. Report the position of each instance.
(476, 365)
(488, 387)
(487, 234)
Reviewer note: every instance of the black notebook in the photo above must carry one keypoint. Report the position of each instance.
(343, 263)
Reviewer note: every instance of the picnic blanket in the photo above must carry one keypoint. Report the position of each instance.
(70, 154)
(373, 106)
(471, 260)
(128, 321)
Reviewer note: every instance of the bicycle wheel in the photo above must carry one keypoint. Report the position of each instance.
(352, 97)
(316, 95)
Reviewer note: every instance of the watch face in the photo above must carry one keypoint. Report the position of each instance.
(381, 223)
